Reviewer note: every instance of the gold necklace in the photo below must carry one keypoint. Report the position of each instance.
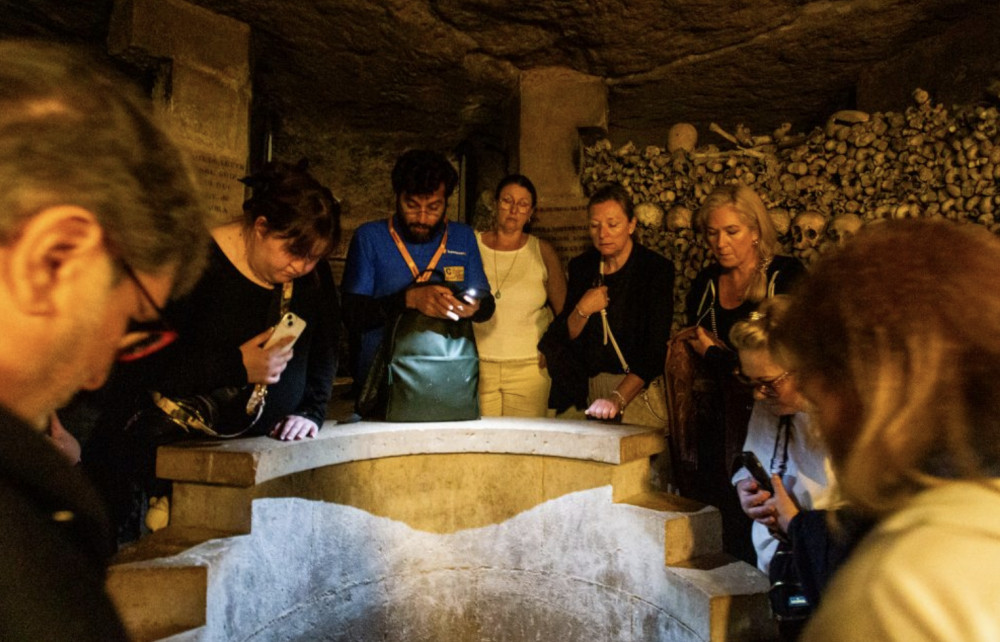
(496, 273)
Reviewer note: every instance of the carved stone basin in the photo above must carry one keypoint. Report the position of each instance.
(498, 529)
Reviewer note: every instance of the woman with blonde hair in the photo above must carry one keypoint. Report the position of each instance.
(779, 436)
(747, 270)
(895, 340)
(778, 432)
(741, 236)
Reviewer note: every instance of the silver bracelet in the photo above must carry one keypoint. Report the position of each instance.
(585, 316)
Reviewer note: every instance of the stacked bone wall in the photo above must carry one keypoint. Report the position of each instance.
(924, 161)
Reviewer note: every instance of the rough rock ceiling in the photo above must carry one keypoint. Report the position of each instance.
(445, 69)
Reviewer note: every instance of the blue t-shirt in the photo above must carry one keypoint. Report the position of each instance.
(375, 268)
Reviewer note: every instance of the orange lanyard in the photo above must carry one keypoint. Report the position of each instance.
(419, 276)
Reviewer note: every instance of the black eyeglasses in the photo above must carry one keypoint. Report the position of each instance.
(766, 388)
(143, 338)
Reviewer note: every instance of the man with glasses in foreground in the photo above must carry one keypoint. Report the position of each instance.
(99, 225)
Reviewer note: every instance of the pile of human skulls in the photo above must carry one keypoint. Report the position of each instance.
(820, 187)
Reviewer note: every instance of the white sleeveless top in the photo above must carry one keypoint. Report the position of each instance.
(517, 279)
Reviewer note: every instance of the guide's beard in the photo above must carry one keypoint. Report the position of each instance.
(416, 233)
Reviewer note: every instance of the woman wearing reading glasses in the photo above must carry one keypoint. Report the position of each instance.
(611, 337)
(529, 287)
(779, 435)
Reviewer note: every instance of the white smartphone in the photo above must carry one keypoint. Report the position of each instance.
(290, 325)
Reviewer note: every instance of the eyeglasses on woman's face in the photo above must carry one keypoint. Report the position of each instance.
(508, 203)
(766, 387)
(143, 338)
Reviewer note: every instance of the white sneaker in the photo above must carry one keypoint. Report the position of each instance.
(158, 515)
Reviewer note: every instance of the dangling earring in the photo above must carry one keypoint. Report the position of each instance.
(756, 243)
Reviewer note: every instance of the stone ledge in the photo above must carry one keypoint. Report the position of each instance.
(581, 561)
(160, 597)
(249, 462)
(370, 515)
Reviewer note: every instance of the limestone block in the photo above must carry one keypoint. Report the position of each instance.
(555, 103)
(214, 508)
(436, 477)
(575, 567)
(174, 29)
(244, 462)
(203, 87)
(158, 599)
(694, 530)
(500, 529)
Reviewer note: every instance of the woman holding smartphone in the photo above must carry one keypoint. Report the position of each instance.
(781, 455)
(778, 432)
(267, 264)
(261, 267)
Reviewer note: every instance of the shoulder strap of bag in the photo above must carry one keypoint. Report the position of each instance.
(260, 390)
(709, 290)
(191, 420)
(771, 282)
(779, 462)
(607, 329)
(418, 275)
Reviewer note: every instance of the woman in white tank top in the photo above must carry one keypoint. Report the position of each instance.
(529, 286)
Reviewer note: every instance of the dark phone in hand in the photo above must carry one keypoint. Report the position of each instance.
(757, 470)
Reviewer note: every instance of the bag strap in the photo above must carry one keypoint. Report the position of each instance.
(419, 276)
(607, 329)
(771, 283)
(260, 390)
(709, 289)
(188, 420)
(779, 463)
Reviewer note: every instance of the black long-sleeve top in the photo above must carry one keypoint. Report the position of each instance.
(55, 539)
(224, 311)
(703, 303)
(639, 314)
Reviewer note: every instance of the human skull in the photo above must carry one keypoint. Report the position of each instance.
(781, 220)
(649, 214)
(682, 136)
(807, 230)
(678, 218)
(843, 227)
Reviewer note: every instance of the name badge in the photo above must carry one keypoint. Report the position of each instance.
(454, 273)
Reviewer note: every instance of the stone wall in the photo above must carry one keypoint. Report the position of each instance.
(201, 64)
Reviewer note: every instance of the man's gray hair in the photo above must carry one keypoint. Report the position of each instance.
(74, 133)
